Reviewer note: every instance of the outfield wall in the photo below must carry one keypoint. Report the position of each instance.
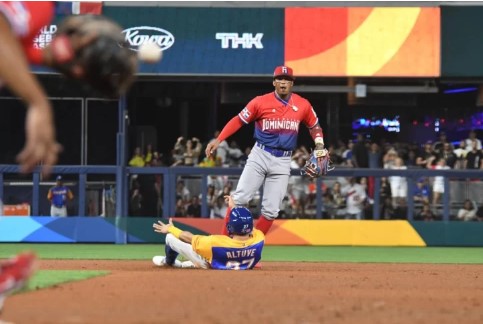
(284, 232)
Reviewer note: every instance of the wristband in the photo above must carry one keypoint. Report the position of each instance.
(319, 140)
(175, 231)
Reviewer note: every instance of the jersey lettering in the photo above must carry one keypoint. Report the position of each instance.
(240, 253)
(269, 124)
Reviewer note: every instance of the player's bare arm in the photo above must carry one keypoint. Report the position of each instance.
(163, 228)
(230, 128)
(41, 145)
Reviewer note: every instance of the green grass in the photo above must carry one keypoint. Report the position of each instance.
(46, 278)
(270, 253)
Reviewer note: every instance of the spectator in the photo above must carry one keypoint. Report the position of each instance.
(194, 208)
(182, 193)
(426, 154)
(58, 196)
(356, 196)
(177, 154)
(460, 153)
(298, 186)
(426, 213)
(234, 154)
(438, 146)
(421, 192)
(180, 208)
(364, 182)
(438, 183)
(192, 151)
(136, 199)
(149, 154)
(137, 159)
(338, 200)
(211, 196)
(448, 154)
(468, 212)
(473, 139)
(219, 209)
(399, 186)
(347, 155)
(385, 199)
(389, 159)
(473, 157)
(479, 214)
(359, 153)
(227, 189)
(375, 156)
(218, 182)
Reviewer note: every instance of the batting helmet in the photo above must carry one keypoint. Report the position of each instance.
(240, 222)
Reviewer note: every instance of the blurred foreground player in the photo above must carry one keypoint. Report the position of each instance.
(86, 47)
(14, 273)
(240, 250)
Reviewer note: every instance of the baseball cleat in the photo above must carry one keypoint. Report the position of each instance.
(187, 264)
(160, 261)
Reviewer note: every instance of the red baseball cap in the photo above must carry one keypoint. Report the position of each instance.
(283, 71)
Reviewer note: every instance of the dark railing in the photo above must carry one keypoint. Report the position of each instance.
(171, 175)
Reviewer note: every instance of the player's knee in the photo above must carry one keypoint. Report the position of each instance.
(170, 239)
(240, 201)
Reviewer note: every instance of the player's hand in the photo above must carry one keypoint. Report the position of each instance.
(229, 201)
(161, 227)
(40, 145)
(211, 147)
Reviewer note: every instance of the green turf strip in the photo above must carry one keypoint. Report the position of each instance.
(270, 253)
(46, 278)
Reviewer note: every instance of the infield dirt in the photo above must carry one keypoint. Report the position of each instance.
(280, 292)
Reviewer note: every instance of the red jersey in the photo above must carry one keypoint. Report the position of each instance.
(26, 19)
(277, 121)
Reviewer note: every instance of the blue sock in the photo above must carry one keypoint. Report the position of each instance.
(171, 255)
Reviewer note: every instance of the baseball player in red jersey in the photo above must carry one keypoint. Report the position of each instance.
(277, 116)
(85, 48)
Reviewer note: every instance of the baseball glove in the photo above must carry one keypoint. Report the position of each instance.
(318, 164)
(92, 48)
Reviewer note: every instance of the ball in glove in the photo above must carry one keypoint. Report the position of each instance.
(318, 164)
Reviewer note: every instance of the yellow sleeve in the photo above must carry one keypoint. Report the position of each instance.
(202, 245)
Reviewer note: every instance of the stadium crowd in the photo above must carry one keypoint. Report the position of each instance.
(343, 198)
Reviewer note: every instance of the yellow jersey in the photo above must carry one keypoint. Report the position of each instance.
(225, 253)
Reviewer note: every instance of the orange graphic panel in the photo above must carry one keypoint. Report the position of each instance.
(380, 41)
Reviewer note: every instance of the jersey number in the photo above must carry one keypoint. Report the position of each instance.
(235, 265)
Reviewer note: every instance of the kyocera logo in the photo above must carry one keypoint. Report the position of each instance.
(136, 36)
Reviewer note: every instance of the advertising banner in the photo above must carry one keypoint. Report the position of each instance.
(359, 41)
(462, 41)
(215, 41)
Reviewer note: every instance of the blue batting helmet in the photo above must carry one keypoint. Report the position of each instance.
(240, 222)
